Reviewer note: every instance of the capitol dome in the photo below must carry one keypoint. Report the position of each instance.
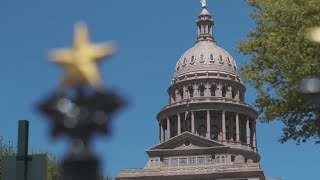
(205, 56)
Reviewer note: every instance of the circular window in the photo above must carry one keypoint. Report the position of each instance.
(187, 143)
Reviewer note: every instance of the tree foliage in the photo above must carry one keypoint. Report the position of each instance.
(281, 55)
(6, 149)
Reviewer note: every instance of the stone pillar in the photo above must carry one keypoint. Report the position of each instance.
(254, 143)
(208, 125)
(161, 132)
(229, 92)
(207, 92)
(179, 124)
(237, 128)
(219, 90)
(168, 128)
(177, 95)
(224, 125)
(185, 93)
(192, 123)
(248, 130)
(196, 89)
(237, 98)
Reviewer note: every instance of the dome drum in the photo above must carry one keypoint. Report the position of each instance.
(206, 75)
(240, 107)
(206, 88)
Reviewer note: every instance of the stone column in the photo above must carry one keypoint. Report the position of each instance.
(168, 128)
(219, 90)
(161, 132)
(229, 92)
(179, 124)
(192, 123)
(237, 128)
(237, 98)
(248, 130)
(185, 93)
(224, 126)
(196, 92)
(254, 143)
(208, 125)
(207, 91)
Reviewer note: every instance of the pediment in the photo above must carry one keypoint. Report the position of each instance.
(186, 140)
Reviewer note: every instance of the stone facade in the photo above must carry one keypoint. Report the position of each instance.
(207, 131)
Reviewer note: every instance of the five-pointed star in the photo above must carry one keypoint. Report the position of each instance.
(80, 61)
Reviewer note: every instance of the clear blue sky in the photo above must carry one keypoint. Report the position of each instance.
(151, 36)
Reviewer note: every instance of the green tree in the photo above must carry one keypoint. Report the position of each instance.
(281, 55)
(53, 168)
(6, 149)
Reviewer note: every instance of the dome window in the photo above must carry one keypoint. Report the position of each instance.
(221, 60)
(184, 61)
(214, 132)
(202, 131)
(228, 59)
(224, 90)
(190, 89)
(213, 90)
(234, 93)
(211, 58)
(192, 60)
(201, 90)
(181, 94)
(201, 58)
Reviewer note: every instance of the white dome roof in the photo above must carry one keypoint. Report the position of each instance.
(205, 56)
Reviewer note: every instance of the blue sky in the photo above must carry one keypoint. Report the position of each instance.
(150, 36)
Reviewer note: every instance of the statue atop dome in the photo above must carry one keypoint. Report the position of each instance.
(204, 3)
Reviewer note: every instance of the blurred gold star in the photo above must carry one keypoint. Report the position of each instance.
(80, 61)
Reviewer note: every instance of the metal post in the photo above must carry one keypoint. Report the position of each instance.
(22, 156)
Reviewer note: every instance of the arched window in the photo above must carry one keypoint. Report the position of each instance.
(201, 90)
(228, 59)
(214, 132)
(201, 58)
(181, 93)
(234, 92)
(192, 60)
(221, 60)
(211, 58)
(190, 89)
(202, 131)
(184, 61)
(224, 90)
(213, 90)
(174, 97)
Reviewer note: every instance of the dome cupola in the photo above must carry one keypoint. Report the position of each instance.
(205, 58)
